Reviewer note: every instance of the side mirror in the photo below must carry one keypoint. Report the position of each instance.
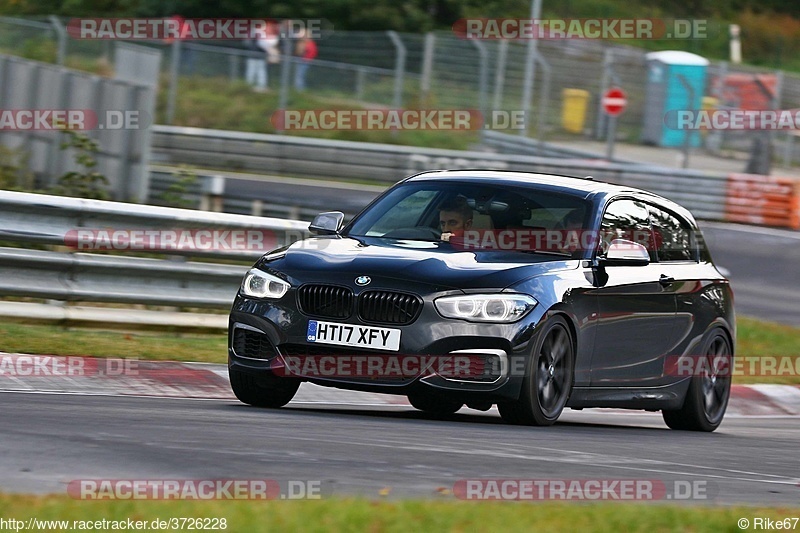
(623, 252)
(327, 223)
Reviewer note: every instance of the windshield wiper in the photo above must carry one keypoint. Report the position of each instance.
(546, 252)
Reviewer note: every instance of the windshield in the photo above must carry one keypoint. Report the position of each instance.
(476, 216)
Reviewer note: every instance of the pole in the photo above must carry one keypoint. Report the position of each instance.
(687, 139)
(286, 66)
(399, 68)
(530, 68)
(427, 66)
(174, 71)
(612, 134)
(500, 74)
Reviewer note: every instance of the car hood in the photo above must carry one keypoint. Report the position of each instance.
(432, 263)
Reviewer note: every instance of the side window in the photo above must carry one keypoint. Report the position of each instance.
(672, 236)
(626, 219)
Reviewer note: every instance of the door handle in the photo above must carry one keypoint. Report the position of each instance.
(666, 281)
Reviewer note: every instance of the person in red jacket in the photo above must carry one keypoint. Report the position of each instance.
(306, 50)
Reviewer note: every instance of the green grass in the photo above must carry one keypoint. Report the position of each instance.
(56, 340)
(218, 103)
(755, 339)
(361, 514)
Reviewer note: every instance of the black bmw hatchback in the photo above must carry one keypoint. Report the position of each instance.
(533, 292)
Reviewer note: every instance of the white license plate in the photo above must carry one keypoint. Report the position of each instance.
(353, 335)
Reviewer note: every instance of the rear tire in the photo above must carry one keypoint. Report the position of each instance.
(708, 393)
(265, 390)
(548, 382)
(435, 405)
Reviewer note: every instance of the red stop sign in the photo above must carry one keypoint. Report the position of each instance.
(614, 101)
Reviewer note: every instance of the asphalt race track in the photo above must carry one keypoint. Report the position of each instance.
(763, 267)
(52, 439)
(49, 440)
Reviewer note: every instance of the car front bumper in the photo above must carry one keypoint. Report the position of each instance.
(279, 331)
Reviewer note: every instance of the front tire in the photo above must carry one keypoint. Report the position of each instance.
(266, 390)
(548, 382)
(709, 392)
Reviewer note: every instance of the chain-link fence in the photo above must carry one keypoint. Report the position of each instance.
(436, 70)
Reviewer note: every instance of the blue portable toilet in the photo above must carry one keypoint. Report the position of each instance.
(666, 91)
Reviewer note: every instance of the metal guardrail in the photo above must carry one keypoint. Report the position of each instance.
(93, 277)
(200, 194)
(82, 277)
(515, 144)
(44, 219)
(125, 279)
(704, 193)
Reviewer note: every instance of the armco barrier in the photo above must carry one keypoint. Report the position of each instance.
(45, 219)
(765, 200)
(701, 192)
(95, 277)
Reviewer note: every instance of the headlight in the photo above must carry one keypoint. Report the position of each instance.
(259, 284)
(486, 307)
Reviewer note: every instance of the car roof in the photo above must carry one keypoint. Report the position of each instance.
(578, 186)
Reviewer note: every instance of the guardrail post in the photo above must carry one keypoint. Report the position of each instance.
(399, 68)
(427, 66)
(62, 38)
(213, 187)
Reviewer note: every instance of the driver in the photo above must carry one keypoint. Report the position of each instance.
(455, 217)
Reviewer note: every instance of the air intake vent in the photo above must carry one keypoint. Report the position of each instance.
(328, 301)
(388, 307)
(252, 344)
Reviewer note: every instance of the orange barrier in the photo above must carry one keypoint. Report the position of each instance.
(766, 200)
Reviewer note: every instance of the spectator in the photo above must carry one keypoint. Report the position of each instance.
(256, 72)
(306, 51)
